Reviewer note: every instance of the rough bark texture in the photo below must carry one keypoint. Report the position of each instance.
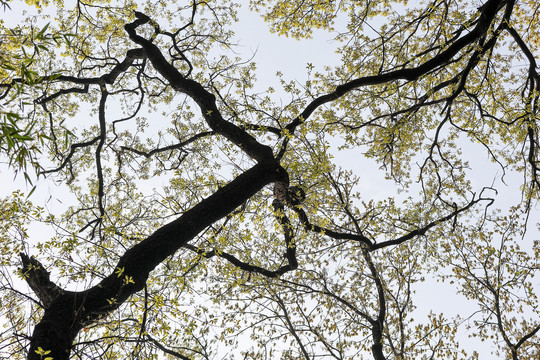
(68, 312)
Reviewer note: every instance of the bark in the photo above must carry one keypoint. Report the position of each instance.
(66, 313)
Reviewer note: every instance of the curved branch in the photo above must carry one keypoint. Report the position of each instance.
(423, 230)
(74, 147)
(241, 264)
(166, 350)
(178, 146)
(527, 337)
(331, 233)
(108, 78)
(72, 90)
(204, 99)
(488, 13)
(290, 253)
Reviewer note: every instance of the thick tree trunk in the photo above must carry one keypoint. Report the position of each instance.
(66, 313)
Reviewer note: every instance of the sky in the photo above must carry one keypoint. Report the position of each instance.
(273, 54)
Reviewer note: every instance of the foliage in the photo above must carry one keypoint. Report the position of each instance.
(211, 219)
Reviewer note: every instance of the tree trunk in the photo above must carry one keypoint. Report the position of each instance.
(68, 312)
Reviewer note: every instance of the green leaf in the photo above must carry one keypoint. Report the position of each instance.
(22, 137)
(39, 35)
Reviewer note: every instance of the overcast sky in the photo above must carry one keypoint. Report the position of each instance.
(289, 56)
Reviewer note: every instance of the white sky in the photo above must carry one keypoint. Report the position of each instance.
(273, 54)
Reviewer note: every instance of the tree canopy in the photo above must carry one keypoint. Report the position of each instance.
(207, 214)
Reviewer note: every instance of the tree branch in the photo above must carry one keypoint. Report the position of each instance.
(423, 230)
(488, 13)
(204, 99)
(39, 280)
(69, 312)
(331, 233)
(170, 147)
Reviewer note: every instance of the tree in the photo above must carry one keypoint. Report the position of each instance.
(207, 214)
